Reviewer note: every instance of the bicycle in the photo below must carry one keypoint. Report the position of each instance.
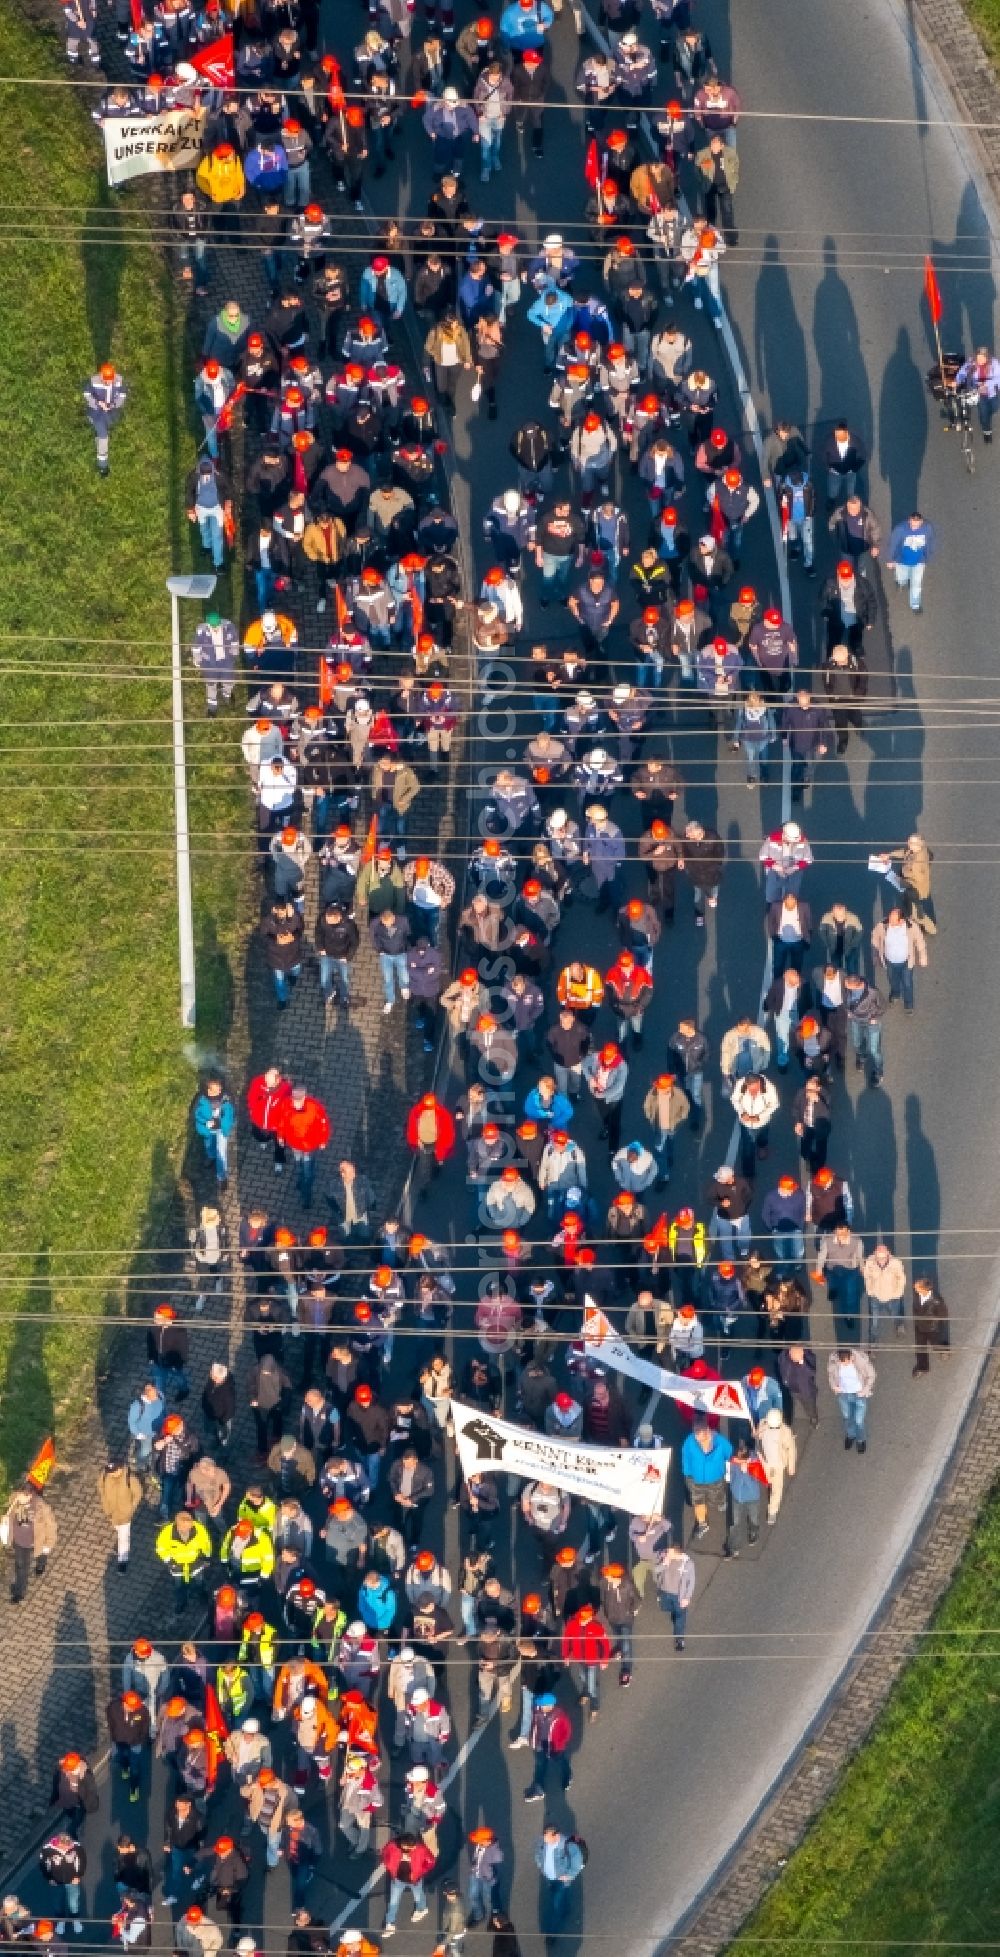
(966, 402)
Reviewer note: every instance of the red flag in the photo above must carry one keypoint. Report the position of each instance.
(591, 167)
(371, 841)
(216, 1733)
(137, 14)
(43, 1464)
(216, 62)
(932, 291)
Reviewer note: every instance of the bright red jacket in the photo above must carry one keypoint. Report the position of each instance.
(585, 1643)
(419, 1862)
(306, 1128)
(444, 1139)
(264, 1103)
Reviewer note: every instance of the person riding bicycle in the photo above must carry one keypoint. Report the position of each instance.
(982, 372)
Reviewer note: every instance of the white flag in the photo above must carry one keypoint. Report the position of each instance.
(136, 145)
(631, 1478)
(724, 1398)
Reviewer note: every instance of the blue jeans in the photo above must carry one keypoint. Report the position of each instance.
(393, 964)
(901, 984)
(264, 585)
(297, 185)
(675, 1611)
(789, 1247)
(663, 1147)
(542, 703)
(557, 573)
(852, 1409)
(425, 923)
(555, 1893)
(867, 1038)
(165, 1377)
(283, 984)
(490, 142)
(217, 1151)
(753, 752)
(650, 671)
(527, 1712)
(694, 1088)
(210, 531)
(302, 1874)
(480, 1898)
(306, 1159)
(328, 968)
(396, 1889)
(390, 823)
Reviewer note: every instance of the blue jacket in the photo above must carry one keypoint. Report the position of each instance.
(743, 1486)
(144, 1417)
(568, 1858)
(908, 546)
(701, 1468)
(760, 1399)
(558, 1115)
(521, 28)
(214, 1117)
(377, 1607)
(559, 317)
(395, 290)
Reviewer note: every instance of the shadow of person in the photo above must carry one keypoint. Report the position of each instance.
(844, 388)
(103, 267)
(923, 1191)
(780, 358)
(903, 422)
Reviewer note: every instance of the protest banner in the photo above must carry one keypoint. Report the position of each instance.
(628, 1478)
(136, 145)
(724, 1398)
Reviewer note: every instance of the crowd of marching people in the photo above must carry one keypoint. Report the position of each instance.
(303, 1698)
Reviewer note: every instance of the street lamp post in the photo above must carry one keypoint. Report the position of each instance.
(190, 586)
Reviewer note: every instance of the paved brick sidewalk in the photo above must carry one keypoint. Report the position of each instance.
(63, 1644)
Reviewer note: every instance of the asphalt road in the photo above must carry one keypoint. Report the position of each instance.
(676, 1767)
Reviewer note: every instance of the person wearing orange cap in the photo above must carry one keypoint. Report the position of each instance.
(606, 1072)
(430, 1133)
(509, 1203)
(849, 605)
(783, 1212)
(129, 1730)
(762, 1393)
(104, 399)
(593, 446)
(620, 1602)
(666, 1108)
(74, 1791)
(485, 1862)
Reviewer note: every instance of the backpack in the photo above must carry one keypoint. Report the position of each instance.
(579, 1843)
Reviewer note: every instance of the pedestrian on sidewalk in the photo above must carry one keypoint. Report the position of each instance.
(851, 1377)
(930, 1324)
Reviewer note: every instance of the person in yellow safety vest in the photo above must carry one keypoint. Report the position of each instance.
(580, 988)
(234, 1690)
(185, 1547)
(257, 1651)
(687, 1244)
(248, 1552)
(258, 1508)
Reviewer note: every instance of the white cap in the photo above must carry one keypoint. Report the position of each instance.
(557, 819)
(356, 1630)
(269, 620)
(620, 695)
(420, 1697)
(406, 1653)
(308, 1703)
(511, 501)
(598, 756)
(790, 832)
(418, 1773)
(597, 813)
(451, 95)
(553, 242)
(706, 543)
(774, 1417)
(251, 1725)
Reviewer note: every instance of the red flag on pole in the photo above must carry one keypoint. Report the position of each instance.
(216, 1734)
(217, 62)
(43, 1464)
(371, 841)
(138, 16)
(591, 167)
(932, 291)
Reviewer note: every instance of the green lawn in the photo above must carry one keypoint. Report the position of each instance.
(906, 1852)
(985, 17)
(96, 1076)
